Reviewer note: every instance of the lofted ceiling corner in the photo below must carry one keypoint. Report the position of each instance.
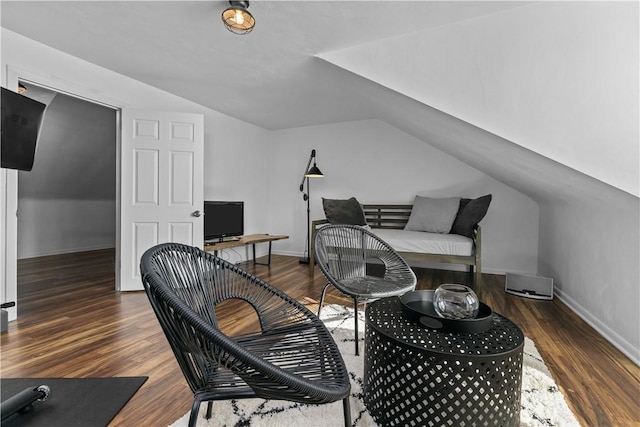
(557, 80)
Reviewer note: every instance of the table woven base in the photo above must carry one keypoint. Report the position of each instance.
(405, 386)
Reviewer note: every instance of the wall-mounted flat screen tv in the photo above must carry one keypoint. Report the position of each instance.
(20, 127)
(223, 220)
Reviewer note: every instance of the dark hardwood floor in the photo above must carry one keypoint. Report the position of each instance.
(72, 323)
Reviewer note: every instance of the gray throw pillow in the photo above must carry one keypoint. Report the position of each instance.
(470, 214)
(433, 215)
(347, 211)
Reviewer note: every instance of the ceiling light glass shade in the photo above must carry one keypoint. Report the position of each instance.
(237, 18)
(314, 172)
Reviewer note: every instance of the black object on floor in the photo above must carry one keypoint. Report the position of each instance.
(82, 402)
(23, 401)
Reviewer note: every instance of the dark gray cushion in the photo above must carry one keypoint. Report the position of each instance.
(470, 214)
(343, 211)
(433, 215)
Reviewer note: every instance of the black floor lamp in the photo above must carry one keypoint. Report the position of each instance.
(312, 172)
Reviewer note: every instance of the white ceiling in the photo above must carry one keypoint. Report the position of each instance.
(269, 78)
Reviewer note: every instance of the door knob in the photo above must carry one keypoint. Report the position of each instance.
(196, 214)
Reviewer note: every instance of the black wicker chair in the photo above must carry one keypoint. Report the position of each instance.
(343, 251)
(293, 358)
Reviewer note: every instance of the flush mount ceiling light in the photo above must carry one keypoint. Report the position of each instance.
(237, 18)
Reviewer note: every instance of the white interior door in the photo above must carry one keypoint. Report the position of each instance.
(161, 186)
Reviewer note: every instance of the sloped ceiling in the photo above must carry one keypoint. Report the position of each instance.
(560, 80)
(532, 93)
(537, 176)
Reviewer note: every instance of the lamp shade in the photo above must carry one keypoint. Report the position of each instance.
(314, 172)
(237, 18)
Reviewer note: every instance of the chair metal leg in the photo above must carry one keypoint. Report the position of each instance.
(209, 408)
(346, 406)
(322, 297)
(195, 408)
(355, 320)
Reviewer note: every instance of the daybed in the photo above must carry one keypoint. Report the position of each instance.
(389, 222)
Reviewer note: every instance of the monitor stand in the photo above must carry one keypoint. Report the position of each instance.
(251, 239)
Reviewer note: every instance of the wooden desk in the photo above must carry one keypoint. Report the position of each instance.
(249, 239)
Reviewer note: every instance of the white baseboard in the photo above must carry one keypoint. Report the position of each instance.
(502, 272)
(609, 334)
(288, 253)
(67, 251)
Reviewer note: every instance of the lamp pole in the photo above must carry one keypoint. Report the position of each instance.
(310, 172)
(305, 258)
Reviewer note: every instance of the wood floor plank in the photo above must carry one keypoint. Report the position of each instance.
(72, 323)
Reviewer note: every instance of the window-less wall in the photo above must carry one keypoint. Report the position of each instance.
(237, 167)
(590, 244)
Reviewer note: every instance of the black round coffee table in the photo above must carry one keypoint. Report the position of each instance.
(416, 376)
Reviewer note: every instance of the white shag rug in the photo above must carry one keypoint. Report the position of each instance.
(542, 403)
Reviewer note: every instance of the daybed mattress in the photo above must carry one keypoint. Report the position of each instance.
(422, 242)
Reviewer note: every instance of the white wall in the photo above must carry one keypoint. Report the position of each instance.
(591, 247)
(376, 162)
(237, 167)
(55, 226)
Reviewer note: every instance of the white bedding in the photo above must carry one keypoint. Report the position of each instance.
(422, 242)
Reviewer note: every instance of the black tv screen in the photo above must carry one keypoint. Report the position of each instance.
(20, 127)
(223, 219)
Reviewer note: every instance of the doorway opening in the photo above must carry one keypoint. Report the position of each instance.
(67, 204)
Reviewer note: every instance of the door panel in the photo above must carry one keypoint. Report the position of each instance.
(182, 163)
(146, 177)
(145, 235)
(181, 233)
(161, 185)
